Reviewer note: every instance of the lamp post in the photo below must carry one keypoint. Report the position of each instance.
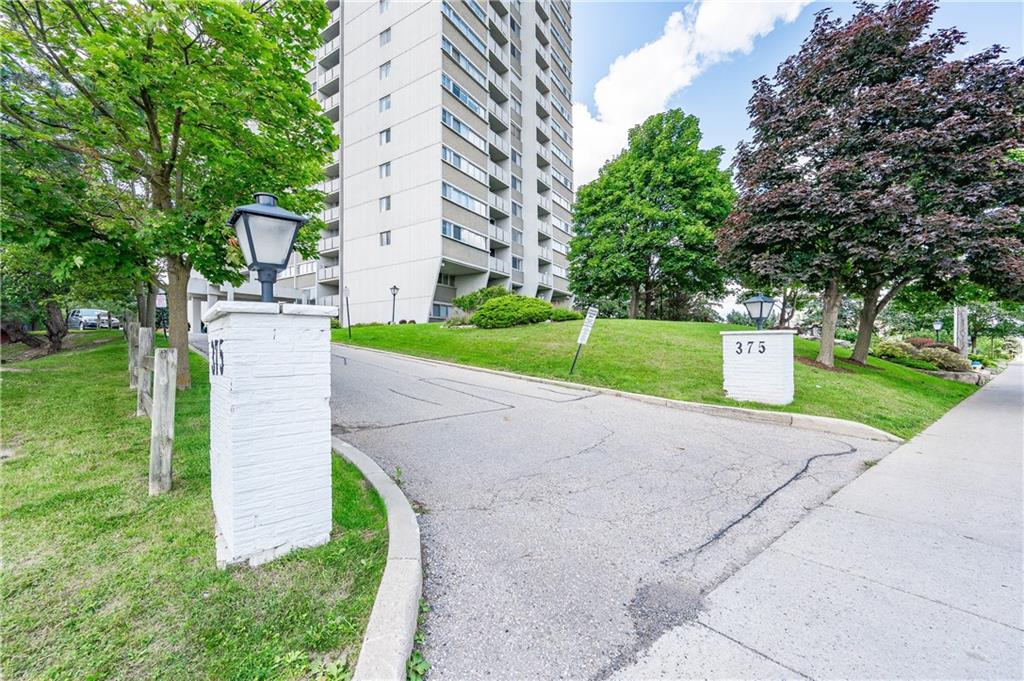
(937, 325)
(394, 298)
(759, 308)
(266, 235)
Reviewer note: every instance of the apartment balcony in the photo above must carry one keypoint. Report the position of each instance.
(498, 176)
(543, 105)
(543, 157)
(328, 47)
(499, 207)
(331, 102)
(543, 82)
(332, 301)
(335, 15)
(329, 215)
(500, 7)
(497, 55)
(328, 244)
(543, 206)
(543, 132)
(329, 80)
(499, 234)
(497, 25)
(560, 284)
(498, 86)
(544, 253)
(328, 273)
(497, 265)
(544, 279)
(543, 57)
(498, 147)
(543, 181)
(497, 117)
(543, 229)
(330, 186)
(542, 10)
(542, 35)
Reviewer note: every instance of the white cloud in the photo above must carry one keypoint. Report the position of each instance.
(640, 83)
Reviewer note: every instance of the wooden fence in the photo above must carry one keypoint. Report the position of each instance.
(153, 374)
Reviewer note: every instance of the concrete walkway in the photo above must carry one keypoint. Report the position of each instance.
(914, 570)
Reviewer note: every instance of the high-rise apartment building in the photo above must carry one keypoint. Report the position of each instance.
(455, 167)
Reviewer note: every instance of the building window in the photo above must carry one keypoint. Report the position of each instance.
(463, 130)
(383, 5)
(385, 70)
(559, 247)
(385, 37)
(477, 10)
(384, 169)
(517, 263)
(456, 160)
(517, 132)
(464, 199)
(517, 210)
(517, 106)
(517, 236)
(466, 236)
(517, 158)
(514, 25)
(448, 83)
(385, 238)
(384, 204)
(384, 103)
(440, 311)
(464, 63)
(516, 54)
(517, 184)
(446, 279)
(384, 136)
(461, 24)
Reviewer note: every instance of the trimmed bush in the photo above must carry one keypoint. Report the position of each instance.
(849, 335)
(918, 342)
(945, 346)
(560, 314)
(914, 363)
(471, 302)
(945, 360)
(458, 319)
(893, 349)
(506, 311)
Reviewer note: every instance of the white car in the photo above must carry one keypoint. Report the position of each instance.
(90, 318)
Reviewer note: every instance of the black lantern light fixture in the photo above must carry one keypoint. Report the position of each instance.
(759, 308)
(394, 297)
(266, 235)
(937, 325)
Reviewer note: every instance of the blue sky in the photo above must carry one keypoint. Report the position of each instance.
(713, 80)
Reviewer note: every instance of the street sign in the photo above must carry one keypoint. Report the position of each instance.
(588, 324)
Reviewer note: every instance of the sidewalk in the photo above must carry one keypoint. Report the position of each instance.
(914, 570)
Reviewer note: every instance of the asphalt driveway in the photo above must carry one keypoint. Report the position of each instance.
(564, 530)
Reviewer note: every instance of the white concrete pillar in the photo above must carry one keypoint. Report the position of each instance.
(270, 428)
(197, 314)
(960, 333)
(757, 366)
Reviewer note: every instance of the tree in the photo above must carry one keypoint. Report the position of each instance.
(877, 162)
(645, 227)
(196, 104)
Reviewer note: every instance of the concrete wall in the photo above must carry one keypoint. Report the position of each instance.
(758, 366)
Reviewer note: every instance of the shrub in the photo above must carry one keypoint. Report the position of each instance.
(986, 360)
(848, 335)
(945, 346)
(945, 360)
(560, 314)
(505, 311)
(458, 319)
(893, 349)
(335, 324)
(919, 342)
(914, 363)
(401, 321)
(472, 302)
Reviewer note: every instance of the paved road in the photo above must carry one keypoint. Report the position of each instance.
(912, 571)
(564, 531)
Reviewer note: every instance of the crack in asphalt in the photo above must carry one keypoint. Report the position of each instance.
(761, 502)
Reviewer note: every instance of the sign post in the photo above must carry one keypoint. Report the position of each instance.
(348, 313)
(588, 324)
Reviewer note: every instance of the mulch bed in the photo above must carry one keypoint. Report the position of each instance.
(818, 365)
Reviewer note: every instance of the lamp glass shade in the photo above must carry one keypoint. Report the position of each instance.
(759, 307)
(394, 290)
(271, 238)
(937, 325)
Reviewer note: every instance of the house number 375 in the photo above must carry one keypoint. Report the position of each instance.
(749, 347)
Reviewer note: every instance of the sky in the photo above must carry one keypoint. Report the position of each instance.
(634, 59)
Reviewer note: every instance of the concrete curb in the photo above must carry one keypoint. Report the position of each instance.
(823, 424)
(389, 635)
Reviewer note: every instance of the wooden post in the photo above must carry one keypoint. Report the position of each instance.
(133, 354)
(161, 434)
(144, 382)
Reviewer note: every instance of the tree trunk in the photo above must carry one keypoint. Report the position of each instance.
(18, 335)
(830, 301)
(178, 272)
(140, 302)
(648, 298)
(56, 326)
(866, 324)
(634, 301)
(151, 291)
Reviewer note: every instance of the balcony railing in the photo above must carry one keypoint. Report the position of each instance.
(498, 265)
(543, 204)
(334, 301)
(543, 227)
(498, 172)
(332, 74)
(544, 278)
(330, 186)
(498, 142)
(544, 253)
(497, 112)
(331, 101)
(331, 243)
(543, 83)
(498, 203)
(543, 179)
(543, 131)
(543, 156)
(328, 47)
(328, 273)
(498, 234)
(330, 214)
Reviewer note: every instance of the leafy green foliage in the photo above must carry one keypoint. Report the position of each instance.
(944, 359)
(417, 667)
(559, 314)
(505, 311)
(645, 227)
(888, 348)
(471, 302)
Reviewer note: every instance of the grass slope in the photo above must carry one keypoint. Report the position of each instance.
(679, 360)
(101, 580)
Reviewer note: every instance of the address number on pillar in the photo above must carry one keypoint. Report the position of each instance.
(750, 347)
(217, 357)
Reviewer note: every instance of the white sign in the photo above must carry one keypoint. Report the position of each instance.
(161, 300)
(346, 292)
(588, 324)
(758, 366)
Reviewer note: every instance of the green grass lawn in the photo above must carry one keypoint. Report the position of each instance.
(679, 360)
(101, 580)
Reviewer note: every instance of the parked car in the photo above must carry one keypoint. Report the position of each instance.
(89, 318)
